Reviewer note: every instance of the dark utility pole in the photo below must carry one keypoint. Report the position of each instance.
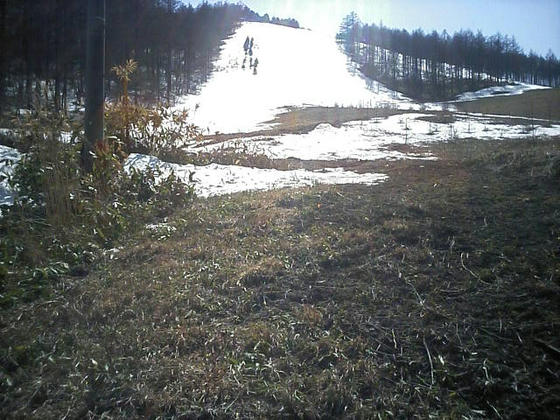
(3, 41)
(95, 67)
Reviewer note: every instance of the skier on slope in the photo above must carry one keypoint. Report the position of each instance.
(255, 64)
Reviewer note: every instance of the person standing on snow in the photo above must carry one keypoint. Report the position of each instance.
(255, 64)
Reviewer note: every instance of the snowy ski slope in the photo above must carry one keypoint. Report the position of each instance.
(297, 67)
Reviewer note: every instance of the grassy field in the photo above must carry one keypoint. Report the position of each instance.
(543, 104)
(436, 294)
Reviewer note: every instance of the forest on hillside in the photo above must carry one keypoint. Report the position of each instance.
(44, 47)
(438, 66)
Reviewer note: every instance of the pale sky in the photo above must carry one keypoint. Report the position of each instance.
(535, 24)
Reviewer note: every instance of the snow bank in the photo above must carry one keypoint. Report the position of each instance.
(296, 67)
(507, 90)
(214, 179)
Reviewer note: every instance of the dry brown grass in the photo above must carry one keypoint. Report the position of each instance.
(300, 119)
(304, 120)
(434, 294)
(543, 104)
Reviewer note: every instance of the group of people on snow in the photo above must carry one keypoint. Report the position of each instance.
(248, 48)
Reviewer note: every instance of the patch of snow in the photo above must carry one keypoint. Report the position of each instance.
(67, 137)
(8, 158)
(502, 116)
(507, 90)
(163, 229)
(155, 227)
(214, 179)
(296, 68)
(112, 253)
(369, 140)
(353, 140)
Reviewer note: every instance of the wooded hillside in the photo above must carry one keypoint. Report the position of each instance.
(44, 47)
(440, 65)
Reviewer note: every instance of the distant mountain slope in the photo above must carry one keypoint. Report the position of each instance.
(296, 67)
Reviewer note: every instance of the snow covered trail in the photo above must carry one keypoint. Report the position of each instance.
(214, 179)
(297, 67)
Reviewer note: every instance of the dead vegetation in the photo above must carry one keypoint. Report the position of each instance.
(300, 118)
(437, 117)
(541, 104)
(434, 294)
(304, 120)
